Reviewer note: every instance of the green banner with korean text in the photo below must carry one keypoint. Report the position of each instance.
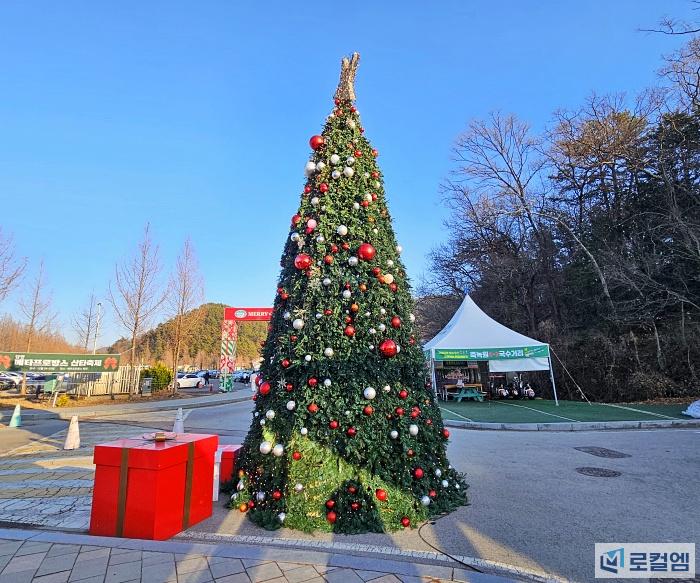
(58, 362)
(492, 353)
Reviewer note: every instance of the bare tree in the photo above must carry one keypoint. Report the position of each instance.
(36, 307)
(11, 267)
(185, 294)
(85, 322)
(137, 293)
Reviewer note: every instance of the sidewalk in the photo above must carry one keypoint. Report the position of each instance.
(29, 414)
(53, 557)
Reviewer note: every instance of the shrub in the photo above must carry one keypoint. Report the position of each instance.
(62, 400)
(161, 375)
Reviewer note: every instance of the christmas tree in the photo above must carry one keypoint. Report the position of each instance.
(346, 435)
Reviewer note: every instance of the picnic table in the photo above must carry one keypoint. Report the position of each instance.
(467, 391)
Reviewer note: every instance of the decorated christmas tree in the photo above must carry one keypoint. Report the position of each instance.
(346, 435)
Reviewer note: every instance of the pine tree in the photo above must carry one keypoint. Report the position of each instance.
(346, 435)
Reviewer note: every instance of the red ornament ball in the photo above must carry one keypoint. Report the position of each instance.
(302, 261)
(334, 248)
(349, 331)
(312, 382)
(328, 259)
(276, 495)
(366, 252)
(352, 432)
(323, 187)
(330, 504)
(368, 410)
(405, 522)
(312, 408)
(264, 388)
(399, 411)
(327, 311)
(355, 506)
(296, 219)
(396, 322)
(445, 433)
(333, 424)
(393, 287)
(388, 348)
(296, 456)
(284, 295)
(381, 495)
(376, 270)
(316, 142)
(352, 490)
(285, 363)
(403, 393)
(289, 387)
(345, 246)
(418, 473)
(357, 153)
(432, 493)
(307, 189)
(293, 337)
(331, 517)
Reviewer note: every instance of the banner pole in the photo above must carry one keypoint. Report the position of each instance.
(554, 386)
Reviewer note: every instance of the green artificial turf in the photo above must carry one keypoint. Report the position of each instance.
(542, 411)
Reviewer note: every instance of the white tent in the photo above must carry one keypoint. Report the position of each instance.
(472, 335)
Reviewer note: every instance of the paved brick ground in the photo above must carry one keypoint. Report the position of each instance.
(43, 485)
(33, 556)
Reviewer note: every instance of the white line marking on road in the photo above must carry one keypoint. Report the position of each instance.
(638, 411)
(458, 415)
(537, 411)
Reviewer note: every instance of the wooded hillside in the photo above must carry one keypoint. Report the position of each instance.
(202, 346)
(586, 236)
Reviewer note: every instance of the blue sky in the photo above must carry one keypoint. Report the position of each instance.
(196, 116)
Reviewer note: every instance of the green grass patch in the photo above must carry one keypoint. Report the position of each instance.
(543, 411)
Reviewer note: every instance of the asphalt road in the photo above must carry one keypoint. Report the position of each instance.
(32, 431)
(529, 505)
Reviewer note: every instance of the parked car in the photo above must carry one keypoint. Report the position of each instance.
(241, 376)
(189, 380)
(214, 373)
(9, 381)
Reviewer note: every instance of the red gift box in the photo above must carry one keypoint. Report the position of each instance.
(152, 490)
(229, 453)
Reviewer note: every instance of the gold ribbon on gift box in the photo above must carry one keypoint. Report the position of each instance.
(123, 485)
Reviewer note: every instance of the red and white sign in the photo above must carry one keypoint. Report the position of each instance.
(248, 314)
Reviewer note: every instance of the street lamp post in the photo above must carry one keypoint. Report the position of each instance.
(97, 326)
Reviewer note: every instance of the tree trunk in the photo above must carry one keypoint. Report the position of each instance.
(659, 353)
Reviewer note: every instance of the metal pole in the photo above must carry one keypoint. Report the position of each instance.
(432, 374)
(554, 386)
(97, 326)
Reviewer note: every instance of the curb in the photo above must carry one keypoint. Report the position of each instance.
(582, 426)
(387, 560)
(392, 554)
(66, 414)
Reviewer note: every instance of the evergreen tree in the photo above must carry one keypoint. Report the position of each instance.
(346, 435)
